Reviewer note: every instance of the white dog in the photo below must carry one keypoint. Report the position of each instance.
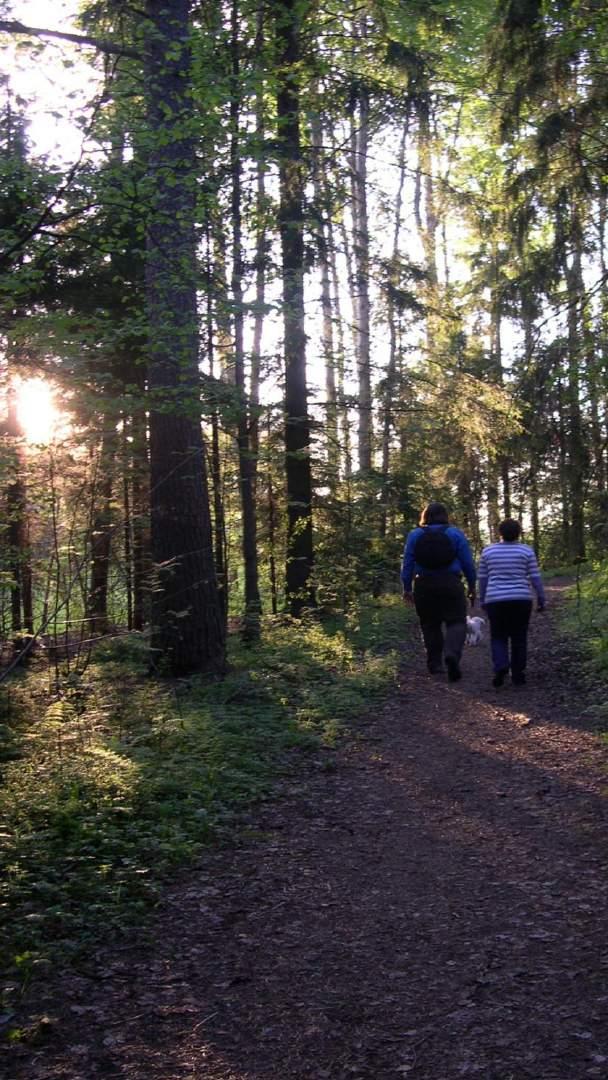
(475, 627)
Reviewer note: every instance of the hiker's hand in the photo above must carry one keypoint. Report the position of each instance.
(540, 605)
(472, 599)
(409, 598)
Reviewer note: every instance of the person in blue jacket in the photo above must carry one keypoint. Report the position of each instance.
(435, 558)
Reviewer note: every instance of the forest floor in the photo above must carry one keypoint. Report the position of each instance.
(429, 900)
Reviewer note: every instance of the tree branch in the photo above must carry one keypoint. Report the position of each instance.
(12, 26)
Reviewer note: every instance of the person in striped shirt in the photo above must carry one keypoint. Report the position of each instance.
(508, 572)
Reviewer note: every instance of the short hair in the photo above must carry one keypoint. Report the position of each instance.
(434, 514)
(509, 529)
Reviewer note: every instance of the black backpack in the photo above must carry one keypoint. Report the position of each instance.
(434, 549)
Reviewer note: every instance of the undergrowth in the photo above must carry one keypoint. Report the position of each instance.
(585, 618)
(111, 780)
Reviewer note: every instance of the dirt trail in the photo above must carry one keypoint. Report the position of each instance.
(429, 903)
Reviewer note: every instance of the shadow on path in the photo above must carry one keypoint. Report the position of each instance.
(432, 907)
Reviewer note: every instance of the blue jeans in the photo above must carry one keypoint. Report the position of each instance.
(509, 621)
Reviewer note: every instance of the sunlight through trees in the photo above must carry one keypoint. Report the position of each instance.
(303, 270)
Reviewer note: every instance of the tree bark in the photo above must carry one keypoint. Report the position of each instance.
(495, 467)
(427, 222)
(251, 621)
(18, 526)
(219, 524)
(299, 589)
(534, 508)
(140, 503)
(391, 369)
(101, 531)
(564, 483)
(345, 465)
(327, 326)
(425, 165)
(188, 629)
(261, 258)
(577, 450)
(127, 526)
(272, 528)
(361, 301)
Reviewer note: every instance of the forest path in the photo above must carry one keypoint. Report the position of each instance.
(428, 902)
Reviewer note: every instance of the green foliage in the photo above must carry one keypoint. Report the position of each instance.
(351, 558)
(119, 780)
(587, 612)
(586, 618)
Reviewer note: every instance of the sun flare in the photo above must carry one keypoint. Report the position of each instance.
(38, 414)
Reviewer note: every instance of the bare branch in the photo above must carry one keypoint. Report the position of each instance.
(12, 26)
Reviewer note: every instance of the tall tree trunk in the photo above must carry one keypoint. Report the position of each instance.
(392, 315)
(595, 354)
(18, 525)
(577, 450)
(503, 461)
(496, 375)
(224, 346)
(323, 211)
(564, 479)
(527, 314)
(101, 531)
(442, 202)
(596, 428)
(534, 508)
(219, 524)
(499, 468)
(127, 522)
(251, 621)
(345, 465)
(188, 630)
(299, 589)
(492, 501)
(603, 305)
(466, 492)
(506, 487)
(427, 222)
(140, 503)
(361, 301)
(261, 258)
(597, 439)
(425, 165)
(19, 555)
(352, 291)
(272, 528)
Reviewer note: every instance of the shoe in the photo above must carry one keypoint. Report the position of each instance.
(499, 677)
(454, 672)
(519, 679)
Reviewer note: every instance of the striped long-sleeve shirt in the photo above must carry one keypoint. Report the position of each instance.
(509, 571)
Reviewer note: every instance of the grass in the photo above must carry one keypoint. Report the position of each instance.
(587, 613)
(114, 780)
(562, 570)
(586, 618)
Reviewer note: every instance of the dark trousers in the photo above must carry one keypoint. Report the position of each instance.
(509, 621)
(439, 599)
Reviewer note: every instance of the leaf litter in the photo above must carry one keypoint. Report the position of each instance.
(433, 906)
